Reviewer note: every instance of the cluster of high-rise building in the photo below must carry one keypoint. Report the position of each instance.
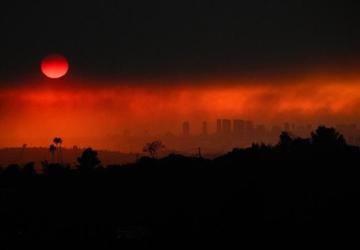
(240, 127)
(229, 127)
(225, 134)
(252, 132)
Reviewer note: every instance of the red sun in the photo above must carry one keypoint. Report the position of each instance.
(54, 66)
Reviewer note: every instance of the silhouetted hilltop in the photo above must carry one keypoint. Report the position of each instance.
(292, 193)
(69, 156)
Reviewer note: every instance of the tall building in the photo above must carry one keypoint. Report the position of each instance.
(249, 128)
(204, 128)
(239, 127)
(226, 126)
(218, 126)
(186, 128)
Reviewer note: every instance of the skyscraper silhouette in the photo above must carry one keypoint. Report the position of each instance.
(226, 126)
(238, 127)
(218, 126)
(204, 128)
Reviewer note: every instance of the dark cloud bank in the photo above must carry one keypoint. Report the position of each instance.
(114, 39)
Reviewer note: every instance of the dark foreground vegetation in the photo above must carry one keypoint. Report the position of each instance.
(293, 193)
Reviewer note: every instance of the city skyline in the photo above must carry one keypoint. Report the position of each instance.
(245, 132)
(174, 124)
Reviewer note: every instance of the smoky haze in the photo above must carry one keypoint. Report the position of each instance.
(142, 68)
(107, 116)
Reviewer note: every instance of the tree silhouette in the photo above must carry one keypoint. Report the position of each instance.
(325, 137)
(54, 169)
(12, 170)
(52, 150)
(88, 161)
(29, 169)
(285, 139)
(58, 141)
(286, 189)
(153, 148)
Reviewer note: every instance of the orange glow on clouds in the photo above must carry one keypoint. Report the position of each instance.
(87, 115)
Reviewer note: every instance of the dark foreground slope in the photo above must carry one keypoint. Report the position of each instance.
(289, 195)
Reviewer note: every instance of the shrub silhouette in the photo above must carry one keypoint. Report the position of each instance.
(29, 168)
(153, 148)
(283, 189)
(285, 139)
(54, 169)
(12, 170)
(88, 161)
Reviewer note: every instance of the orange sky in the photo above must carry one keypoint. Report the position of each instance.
(84, 113)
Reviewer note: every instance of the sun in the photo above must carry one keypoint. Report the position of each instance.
(54, 66)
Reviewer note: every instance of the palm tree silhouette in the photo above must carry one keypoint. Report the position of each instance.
(52, 150)
(58, 141)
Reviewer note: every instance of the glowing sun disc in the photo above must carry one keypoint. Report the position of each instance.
(54, 66)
